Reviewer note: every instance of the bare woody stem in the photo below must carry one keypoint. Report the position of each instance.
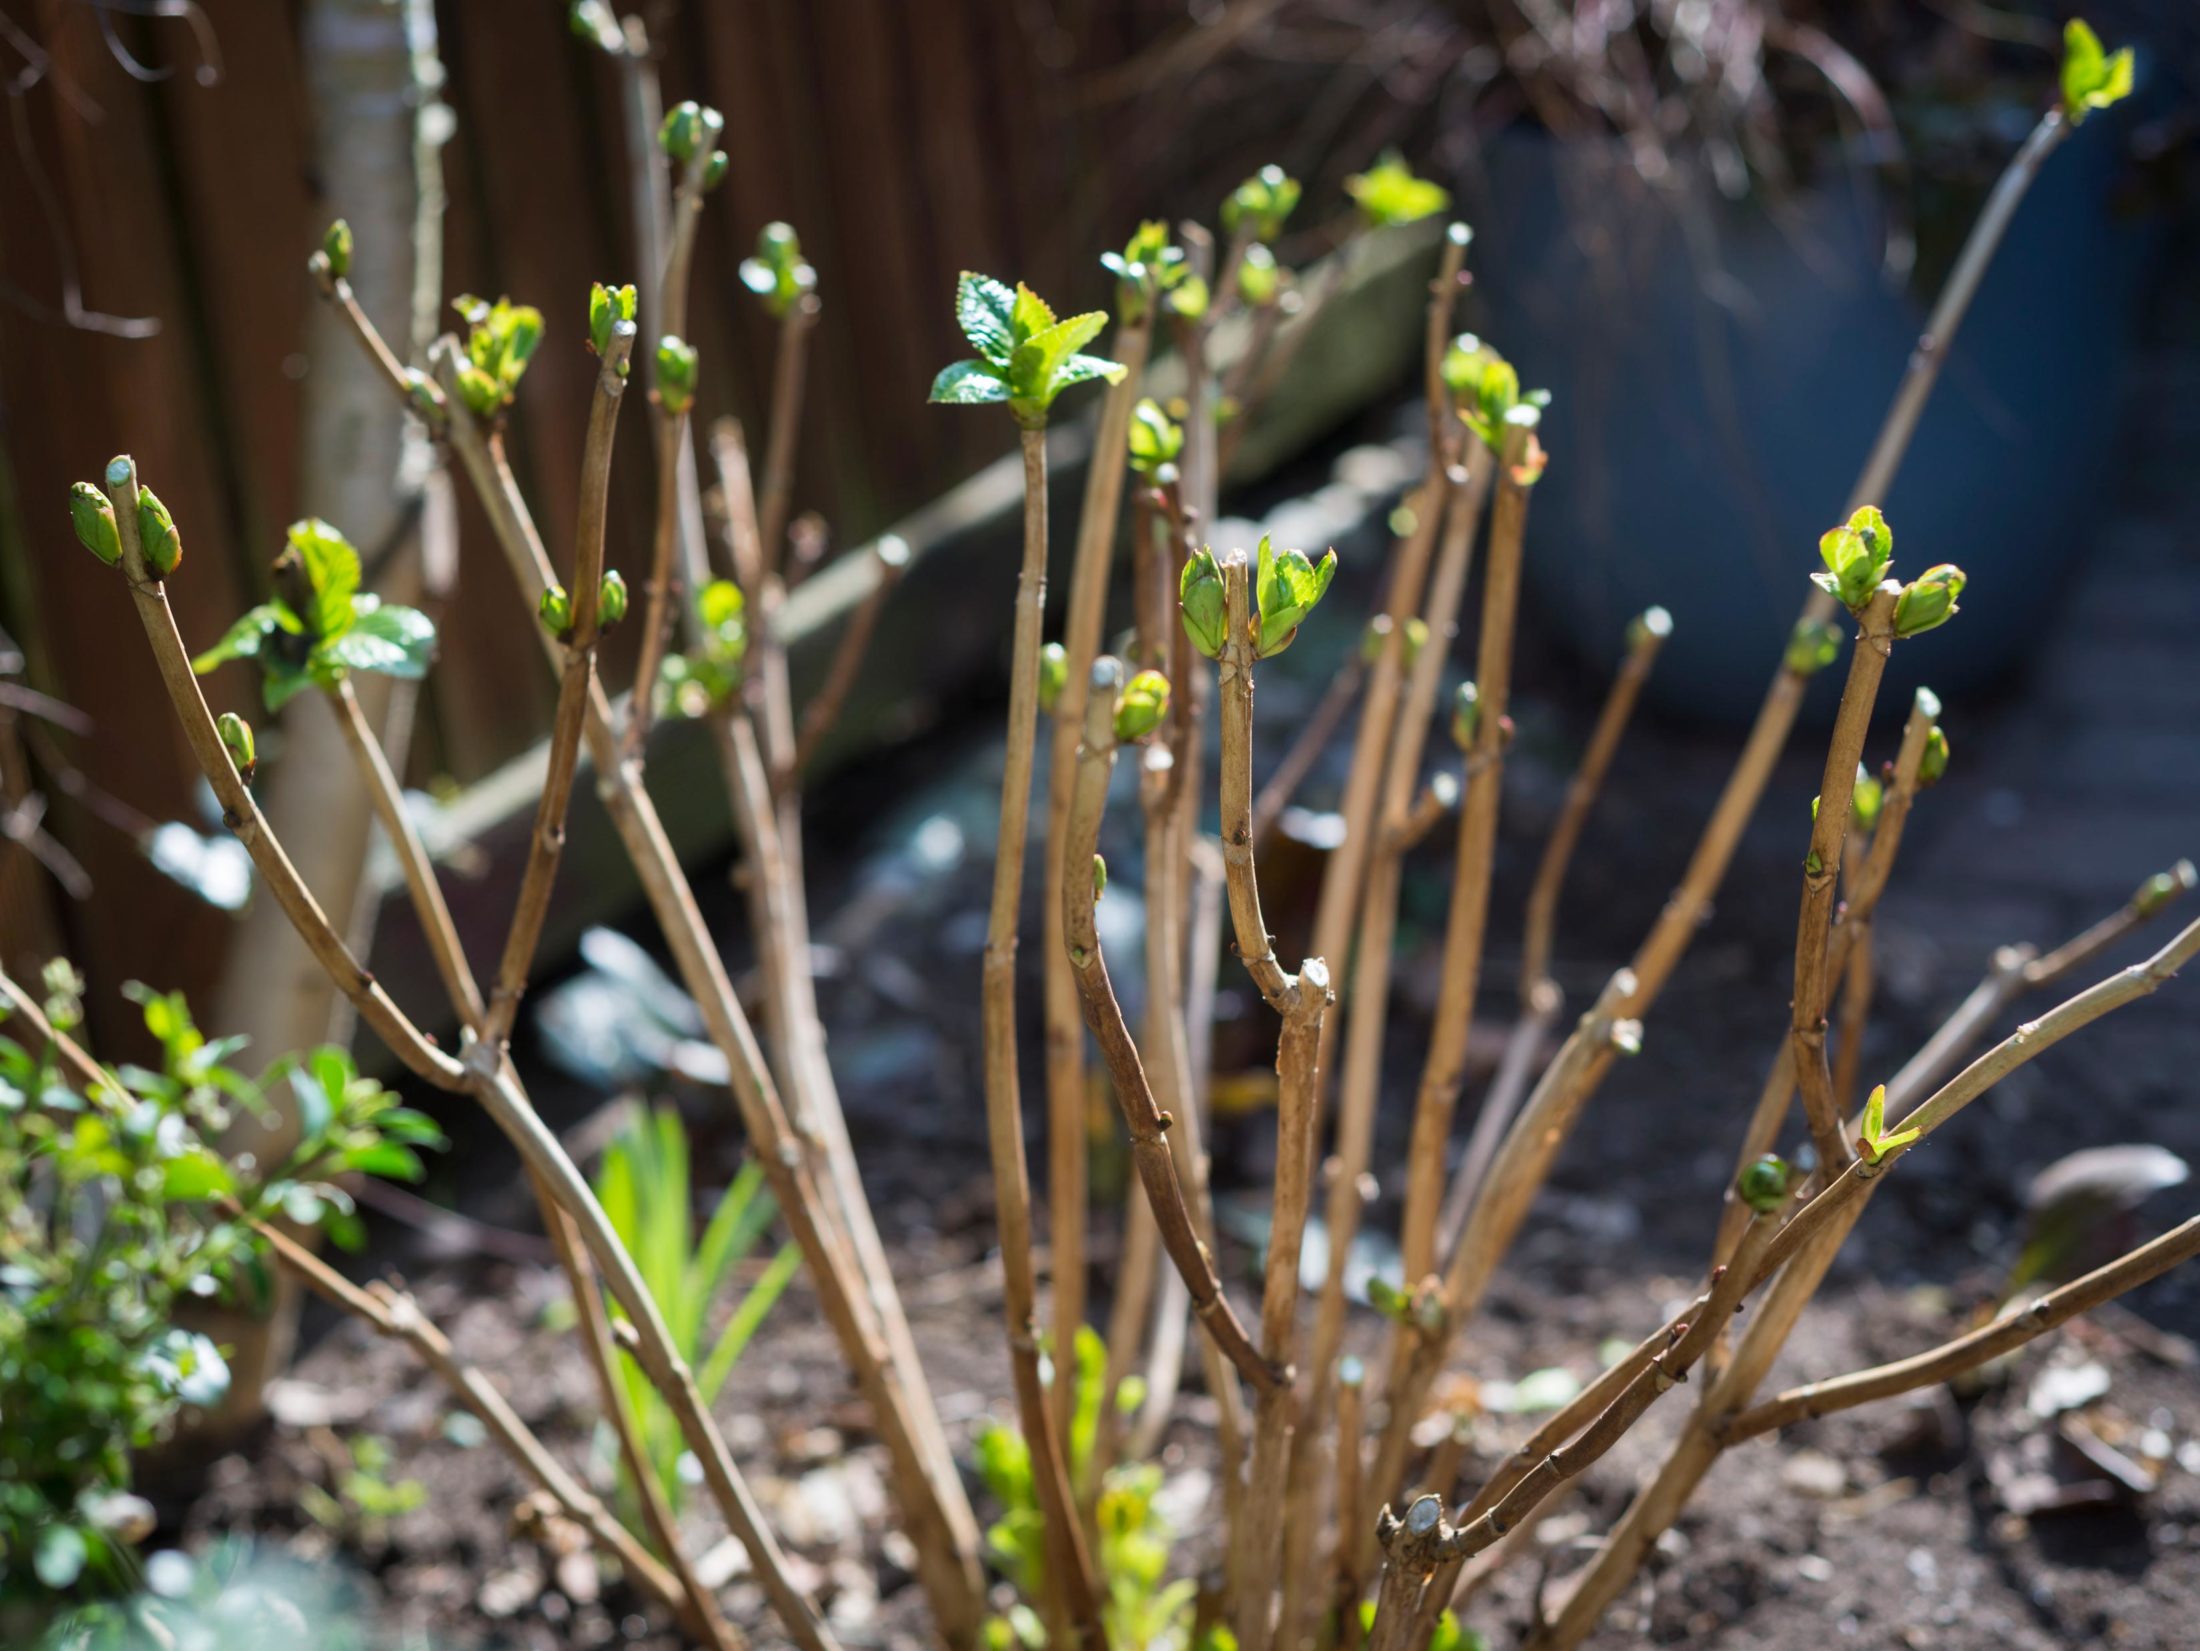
(1466, 923)
(1068, 1172)
(789, 372)
(1145, 1120)
(1069, 1564)
(338, 292)
(892, 556)
(481, 1075)
(897, 1400)
(1822, 877)
(663, 584)
(546, 843)
(1953, 1358)
(1644, 638)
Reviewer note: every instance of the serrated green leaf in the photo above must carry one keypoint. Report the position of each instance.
(1029, 314)
(331, 567)
(384, 638)
(968, 384)
(983, 309)
(245, 638)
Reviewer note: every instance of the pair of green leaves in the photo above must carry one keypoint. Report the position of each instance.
(1856, 555)
(1150, 266)
(1873, 1141)
(1286, 587)
(693, 129)
(322, 626)
(1486, 389)
(1264, 201)
(2092, 76)
(1388, 193)
(500, 340)
(609, 308)
(1155, 439)
(555, 608)
(92, 515)
(779, 274)
(710, 675)
(1026, 357)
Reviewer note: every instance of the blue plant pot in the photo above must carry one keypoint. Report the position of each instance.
(1719, 373)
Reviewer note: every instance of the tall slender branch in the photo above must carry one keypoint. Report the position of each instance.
(785, 432)
(546, 843)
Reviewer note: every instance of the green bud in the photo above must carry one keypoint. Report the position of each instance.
(1372, 639)
(483, 397)
(1285, 588)
(715, 169)
(236, 736)
(1263, 201)
(157, 534)
(1388, 193)
(1257, 277)
(1934, 763)
(427, 400)
(1928, 600)
(1141, 706)
(610, 600)
(1199, 595)
(595, 22)
(1466, 715)
(677, 365)
(1866, 801)
(1053, 675)
(2092, 77)
(1416, 638)
(2160, 889)
(555, 610)
(336, 248)
(93, 517)
(1856, 555)
(1812, 646)
(1763, 1183)
(690, 129)
(607, 307)
(1099, 878)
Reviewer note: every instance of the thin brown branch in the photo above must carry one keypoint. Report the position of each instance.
(546, 842)
(1645, 635)
(1953, 1358)
(1069, 1564)
(785, 433)
(337, 291)
(892, 556)
(1144, 1119)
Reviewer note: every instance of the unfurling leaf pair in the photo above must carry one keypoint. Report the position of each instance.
(1025, 356)
(500, 339)
(555, 610)
(691, 129)
(678, 367)
(779, 274)
(1388, 193)
(1286, 586)
(1486, 389)
(609, 308)
(692, 683)
(1873, 1141)
(1263, 202)
(1155, 439)
(2092, 77)
(1148, 267)
(1928, 600)
(92, 515)
(1856, 555)
(319, 626)
(336, 249)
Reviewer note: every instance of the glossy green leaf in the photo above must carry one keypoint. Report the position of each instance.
(1200, 599)
(1388, 193)
(983, 307)
(969, 384)
(386, 639)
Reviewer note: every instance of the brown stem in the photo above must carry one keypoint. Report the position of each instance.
(1068, 1169)
(1069, 1565)
(788, 375)
(1645, 635)
(338, 292)
(1467, 920)
(1968, 1352)
(1822, 877)
(546, 843)
(892, 555)
(663, 586)
(1307, 744)
(1142, 1117)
